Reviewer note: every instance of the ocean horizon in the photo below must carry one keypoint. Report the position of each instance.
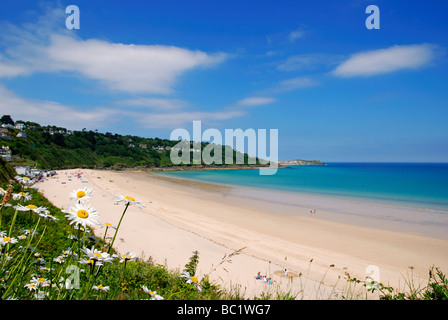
(410, 184)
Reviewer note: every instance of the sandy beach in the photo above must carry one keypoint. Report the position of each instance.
(183, 216)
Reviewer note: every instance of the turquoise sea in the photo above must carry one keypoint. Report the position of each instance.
(422, 185)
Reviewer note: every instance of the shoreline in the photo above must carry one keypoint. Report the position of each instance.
(181, 217)
(397, 217)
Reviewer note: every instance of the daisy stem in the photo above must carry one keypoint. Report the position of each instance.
(12, 224)
(118, 226)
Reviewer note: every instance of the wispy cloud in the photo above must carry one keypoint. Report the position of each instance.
(129, 68)
(294, 83)
(254, 101)
(306, 62)
(158, 104)
(388, 60)
(53, 113)
(296, 34)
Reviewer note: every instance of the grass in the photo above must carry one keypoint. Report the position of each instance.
(44, 256)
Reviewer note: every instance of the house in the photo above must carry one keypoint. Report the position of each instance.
(21, 135)
(143, 146)
(4, 135)
(23, 170)
(20, 126)
(5, 152)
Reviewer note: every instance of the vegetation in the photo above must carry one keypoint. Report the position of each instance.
(52, 147)
(44, 256)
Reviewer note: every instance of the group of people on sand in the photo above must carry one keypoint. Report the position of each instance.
(263, 278)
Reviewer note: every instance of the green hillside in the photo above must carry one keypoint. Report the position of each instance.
(51, 147)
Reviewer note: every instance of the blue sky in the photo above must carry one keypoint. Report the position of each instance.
(335, 90)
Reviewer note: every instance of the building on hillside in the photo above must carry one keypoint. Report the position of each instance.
(6, 154)
(23, 170)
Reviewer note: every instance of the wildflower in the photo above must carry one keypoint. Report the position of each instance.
(46, 269)
(24, 180)
(90, 262)
(108, 225)
(82, 214)
(191, 279)
(96, 255)
(101, 288)
(81, 195)
(21, 237)
(6, 240)
(154, 295)
(31, 286)
(126, 257)
(128, 200)
(68, 252)
(30, 207)
(40, 282)
(59, 259)
(20, 195)
(48, 216)
(2, 191)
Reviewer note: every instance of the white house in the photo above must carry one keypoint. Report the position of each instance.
(5, 152)
(23, 170)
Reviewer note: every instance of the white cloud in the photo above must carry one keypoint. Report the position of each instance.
(166, 104)
(295, 83)
(296, 34)
(255, 101)
(308, 61)
(128, 68)
(53, 113)
(388, 60)
(180, 119)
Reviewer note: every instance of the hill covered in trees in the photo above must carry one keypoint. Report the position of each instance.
(52, 147)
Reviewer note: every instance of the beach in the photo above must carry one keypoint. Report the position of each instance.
(318, 250)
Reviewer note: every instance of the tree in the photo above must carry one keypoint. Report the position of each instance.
(6, 119)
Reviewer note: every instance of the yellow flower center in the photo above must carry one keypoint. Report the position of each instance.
(97, 254)
(194, 279)
(100, 287)
(22, 193)
(41, 280)
(130, 198)
(83, 214)
(80, 194)
(31, 206)
(107, 224)
(6, 239)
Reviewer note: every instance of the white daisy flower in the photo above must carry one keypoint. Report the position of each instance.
(31, 286)
(20, 195)
(101, 288)
(82, 214)
(108, 225)
(153, 294)
(90, 262)
(2, 191)
(31, 207)
(59, 259)
(126, 257)
(48, 216)
(6, 240)
(40, 282)
(24, 180)
(81, 195)
(128, 200)
(191, 279)
(96, 255)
